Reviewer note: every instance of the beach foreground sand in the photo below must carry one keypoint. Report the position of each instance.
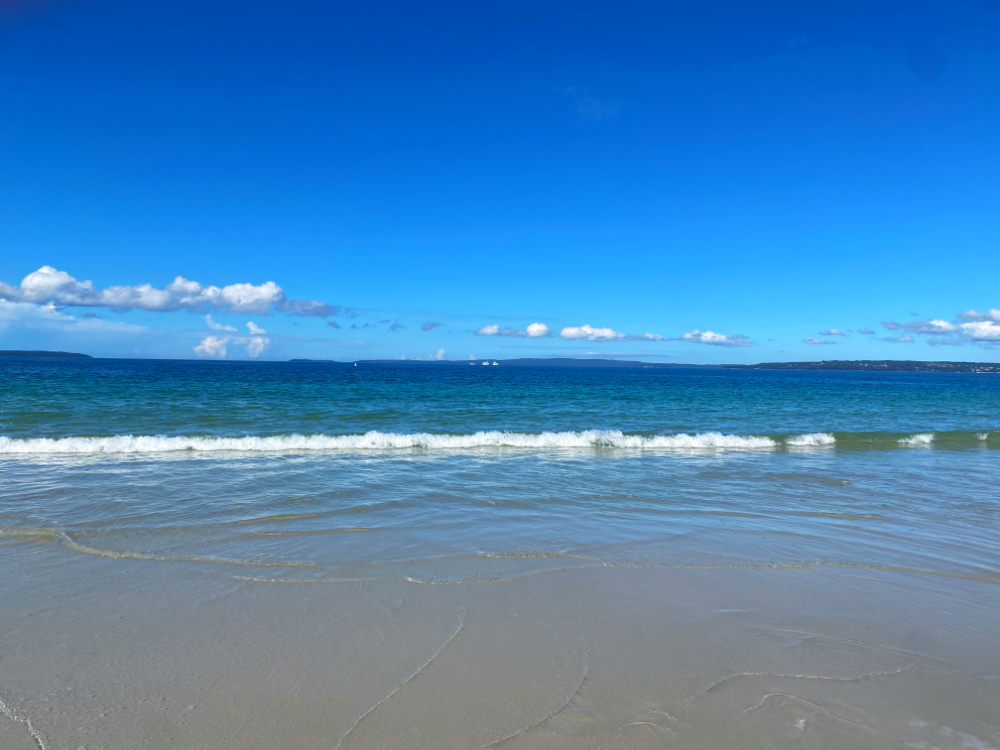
(128, 654)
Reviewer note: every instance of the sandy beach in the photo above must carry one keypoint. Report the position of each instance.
(127, 654)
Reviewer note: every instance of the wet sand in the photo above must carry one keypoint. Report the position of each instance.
(133, 654)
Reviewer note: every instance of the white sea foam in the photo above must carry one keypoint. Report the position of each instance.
(381, 441)
(923, 438)
(375, 442)
(811, 440)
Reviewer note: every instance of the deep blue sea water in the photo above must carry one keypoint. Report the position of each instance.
(456, 472)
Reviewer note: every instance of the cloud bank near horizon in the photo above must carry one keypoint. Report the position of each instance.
(715, 339)
(587, 332)
(49, 285)
(569, 333)
(43, 298)
(972, 326)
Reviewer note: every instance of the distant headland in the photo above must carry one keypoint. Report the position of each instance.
(875, 365)
(27, 353)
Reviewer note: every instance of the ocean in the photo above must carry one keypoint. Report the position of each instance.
(543, 557)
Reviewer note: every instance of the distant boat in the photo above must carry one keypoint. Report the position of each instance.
(485, 363)
(495, 364)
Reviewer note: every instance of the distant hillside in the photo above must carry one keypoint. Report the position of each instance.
(26, 353)
(875, 365)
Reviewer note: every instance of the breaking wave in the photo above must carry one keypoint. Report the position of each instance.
(812, 440)
(381, 441)
(924, 438)
(374, 442)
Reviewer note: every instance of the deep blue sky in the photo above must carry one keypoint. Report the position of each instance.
(763, 169)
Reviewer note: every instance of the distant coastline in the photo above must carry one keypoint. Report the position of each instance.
(529, 362)
(875, 365)
(864, 365)
(861, 365)
(28, 353)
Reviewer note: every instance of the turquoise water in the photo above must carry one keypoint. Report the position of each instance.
(462, 473)
(71, 398)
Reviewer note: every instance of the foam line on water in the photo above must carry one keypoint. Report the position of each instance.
(381, 441)
(55, 535)
(386, 442)
(15, 715)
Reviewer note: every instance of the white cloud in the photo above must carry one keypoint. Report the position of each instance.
(218, 346)
(212, 325)
(992, 314)
(832, 332)
(50, 285)
(535, 330)
(256, 346)
(866, 331)
(982, 330)
(439, 355)
(255, 329)
(44, 284)
(570, 333)
(937, 326)
(813, 340)
(589, 333)
(715, 339)
(932, 327)
(211, 346)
